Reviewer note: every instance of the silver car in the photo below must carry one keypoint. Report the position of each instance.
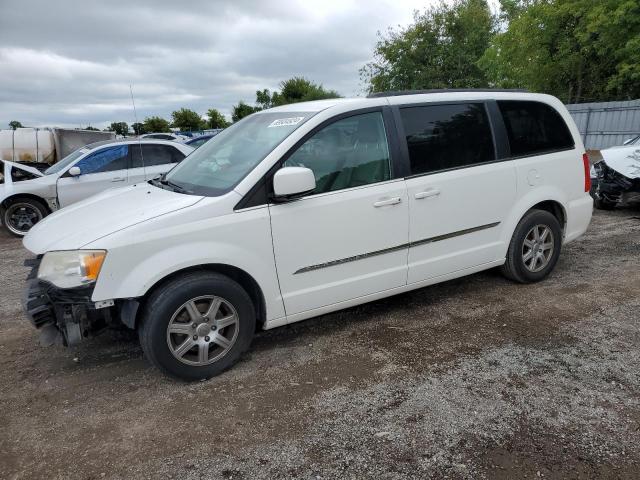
(27, 194)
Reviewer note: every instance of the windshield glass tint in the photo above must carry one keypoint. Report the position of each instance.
(68, 160)
(222, 162)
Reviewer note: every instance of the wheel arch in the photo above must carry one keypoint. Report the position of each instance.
(548, 198)
(43, 201)
(244, 279)
(555, 208)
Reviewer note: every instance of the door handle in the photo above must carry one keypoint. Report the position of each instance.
(117, 179)
(432, 192)
(388, 201)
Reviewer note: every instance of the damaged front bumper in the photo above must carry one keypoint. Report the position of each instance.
(67, 316)
(611, 186)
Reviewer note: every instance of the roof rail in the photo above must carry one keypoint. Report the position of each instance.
(397, 93)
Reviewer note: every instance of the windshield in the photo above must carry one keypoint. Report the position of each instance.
(633, 141)
(66, 161)
(222, 162)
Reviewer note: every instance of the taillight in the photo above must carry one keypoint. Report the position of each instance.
(587, 174)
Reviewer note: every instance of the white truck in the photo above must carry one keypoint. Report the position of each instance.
(45, 146)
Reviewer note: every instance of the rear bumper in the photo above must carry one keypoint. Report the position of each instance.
(63, 316)
(578, 217)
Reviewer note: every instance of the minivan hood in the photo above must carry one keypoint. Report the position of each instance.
(26, 168)
(624, 160)
(100, 215)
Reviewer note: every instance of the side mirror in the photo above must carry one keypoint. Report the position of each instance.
(292, 182)
(75, 171)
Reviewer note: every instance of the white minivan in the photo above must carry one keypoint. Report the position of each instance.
(301, 210)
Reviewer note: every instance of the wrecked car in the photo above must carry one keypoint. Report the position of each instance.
(616, 178)
(27, 194)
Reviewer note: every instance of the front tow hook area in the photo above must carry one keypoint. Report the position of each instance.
(50, 336)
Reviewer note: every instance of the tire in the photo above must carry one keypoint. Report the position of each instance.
(20, 214)
(518, 264)
(601, 204)
(167, 326)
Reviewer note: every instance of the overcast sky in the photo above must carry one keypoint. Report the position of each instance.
(70, 63)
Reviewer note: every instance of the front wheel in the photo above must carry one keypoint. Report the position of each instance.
(197, 325)
(534, 248)
(19, 215)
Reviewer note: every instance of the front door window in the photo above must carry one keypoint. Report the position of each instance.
(106, 160)
(351, 152)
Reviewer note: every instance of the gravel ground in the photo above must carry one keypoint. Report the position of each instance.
(473, 378)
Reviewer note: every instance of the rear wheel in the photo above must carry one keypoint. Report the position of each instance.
(534, 248)
(20, 214)
(197, 325)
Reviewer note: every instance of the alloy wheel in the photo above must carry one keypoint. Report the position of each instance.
(537, 248)
(202, 330)
(21, 217)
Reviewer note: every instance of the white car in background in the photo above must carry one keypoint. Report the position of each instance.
(27, 195)
(629, 142)
(616, 178)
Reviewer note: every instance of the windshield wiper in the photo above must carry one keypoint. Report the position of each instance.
(174, 186)
(162, 182)
(155, 182)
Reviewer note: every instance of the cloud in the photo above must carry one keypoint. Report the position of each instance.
(70, 63)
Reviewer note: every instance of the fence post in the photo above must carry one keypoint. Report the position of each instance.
(586, 128)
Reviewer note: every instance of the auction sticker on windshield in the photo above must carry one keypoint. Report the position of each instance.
(285, 122)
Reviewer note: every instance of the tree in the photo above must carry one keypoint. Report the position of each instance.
(121, 128)
(241, 110)
(14, 124)
(138, 128)
(296, 89)
(186, 119)
(439, 50)
(263, 98)
(216, 119)
(155, 124)
(577, 50)
(89, 127)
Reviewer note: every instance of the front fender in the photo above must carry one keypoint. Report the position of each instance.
(139, 278)
(136, 261)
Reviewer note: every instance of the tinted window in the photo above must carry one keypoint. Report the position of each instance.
(154, 155)
(160, 136)
(447, 136)
(348, 153)
(105, 160)
(198, 142)
(534, 127)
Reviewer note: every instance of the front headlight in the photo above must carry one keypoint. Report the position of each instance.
(72, 268)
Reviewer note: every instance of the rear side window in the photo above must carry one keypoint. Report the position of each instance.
(534, 127)
(347, 153)
(160, 136)
(199, 142)
(154, 155)
(105, 160)
(440, 137)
